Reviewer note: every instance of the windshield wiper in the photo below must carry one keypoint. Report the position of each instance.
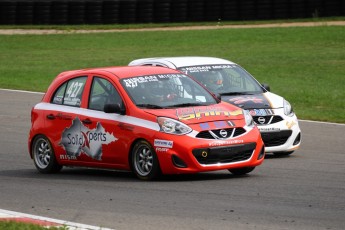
(150, 106)
(236, 93)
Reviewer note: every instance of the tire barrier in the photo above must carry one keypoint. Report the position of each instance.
(62, 12)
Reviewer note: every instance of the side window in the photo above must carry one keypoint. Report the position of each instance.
(102, 93)
(58, 96)
(70, 93)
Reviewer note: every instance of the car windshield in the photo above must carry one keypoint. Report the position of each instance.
(161, 91)
(229, 79)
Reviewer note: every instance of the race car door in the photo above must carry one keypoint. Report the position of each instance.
(105, 141)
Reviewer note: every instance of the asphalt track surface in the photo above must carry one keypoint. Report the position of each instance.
(303, 191)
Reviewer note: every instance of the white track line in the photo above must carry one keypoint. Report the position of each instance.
(70, 225)
(319, 122)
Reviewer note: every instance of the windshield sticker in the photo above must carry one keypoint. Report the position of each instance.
(205, 68)
(135, 81)
(197, 113)
(78, 139)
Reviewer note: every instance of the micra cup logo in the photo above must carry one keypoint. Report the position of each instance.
(79, 139)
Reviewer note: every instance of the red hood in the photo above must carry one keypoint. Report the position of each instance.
(201, 114)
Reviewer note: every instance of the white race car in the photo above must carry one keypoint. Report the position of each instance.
(273, 115)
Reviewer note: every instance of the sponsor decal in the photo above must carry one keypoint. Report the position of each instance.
(135, 81)
(220, 143)
(261, 112)
(163, 143)
(205, 68)
(78, 139)
(204, 126)
(216, 124)
(159, 149)
(268, 129)
(290, 124)
(242, 100)
(197, 113)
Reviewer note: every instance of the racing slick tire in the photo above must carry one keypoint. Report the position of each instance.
(241, 171)
(144, 161)
(280, 154)
(43, 155)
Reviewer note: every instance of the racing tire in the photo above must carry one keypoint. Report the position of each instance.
(44, 156)
(241, 171)
(280, 154)
(144, 161)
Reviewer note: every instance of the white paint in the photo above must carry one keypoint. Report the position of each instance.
(71, 225)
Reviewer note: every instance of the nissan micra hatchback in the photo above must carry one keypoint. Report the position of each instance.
(272, 114)
(149, 120)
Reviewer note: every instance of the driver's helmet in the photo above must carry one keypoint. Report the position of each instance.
(214, 80)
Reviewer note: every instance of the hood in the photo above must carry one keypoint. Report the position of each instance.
(201, 114)
(258, 101)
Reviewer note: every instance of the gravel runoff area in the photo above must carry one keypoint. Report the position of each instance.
(270, 25)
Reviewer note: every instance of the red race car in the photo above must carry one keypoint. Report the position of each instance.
(150, 120)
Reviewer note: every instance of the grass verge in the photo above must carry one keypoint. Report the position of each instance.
(303, 64)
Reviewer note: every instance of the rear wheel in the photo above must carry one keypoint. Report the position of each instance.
(279, 154)
(43, 155)
(144, 161)
(241, 171)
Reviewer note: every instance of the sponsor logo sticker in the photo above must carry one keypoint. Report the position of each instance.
(163, 143)
(78, 139)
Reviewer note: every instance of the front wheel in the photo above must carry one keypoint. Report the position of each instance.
(43, 155)
(241, 171)
(144, 161)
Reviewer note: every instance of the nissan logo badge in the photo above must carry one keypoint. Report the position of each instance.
(223, 133)
(261, 120)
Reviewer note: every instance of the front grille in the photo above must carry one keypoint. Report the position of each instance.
(224, 155)
(275, 138)
(221, 133)
(265, 120)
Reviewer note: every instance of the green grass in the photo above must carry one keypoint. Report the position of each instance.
(306, 65)
(12, 225)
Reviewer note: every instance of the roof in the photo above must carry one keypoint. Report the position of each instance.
(177, 62)
(122, 71)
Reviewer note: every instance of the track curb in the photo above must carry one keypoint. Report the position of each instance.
(6, 215)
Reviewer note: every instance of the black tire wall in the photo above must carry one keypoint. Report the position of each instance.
(76, 12)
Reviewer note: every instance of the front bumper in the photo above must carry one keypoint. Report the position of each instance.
(282, 136)
(201, 155)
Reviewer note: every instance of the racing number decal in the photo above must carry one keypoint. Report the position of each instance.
(74, 89)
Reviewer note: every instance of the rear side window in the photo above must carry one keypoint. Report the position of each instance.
(70, 93)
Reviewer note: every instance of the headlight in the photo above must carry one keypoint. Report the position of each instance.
(172, 126)
(248, 118)
(288, 108)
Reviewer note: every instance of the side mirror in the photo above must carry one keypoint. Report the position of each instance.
(114, 108)
(266, 86)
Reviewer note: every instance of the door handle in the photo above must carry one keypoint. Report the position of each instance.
(51, 116)
(86, 121)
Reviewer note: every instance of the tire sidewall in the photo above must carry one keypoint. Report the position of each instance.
(155, 171)
(52, 166)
